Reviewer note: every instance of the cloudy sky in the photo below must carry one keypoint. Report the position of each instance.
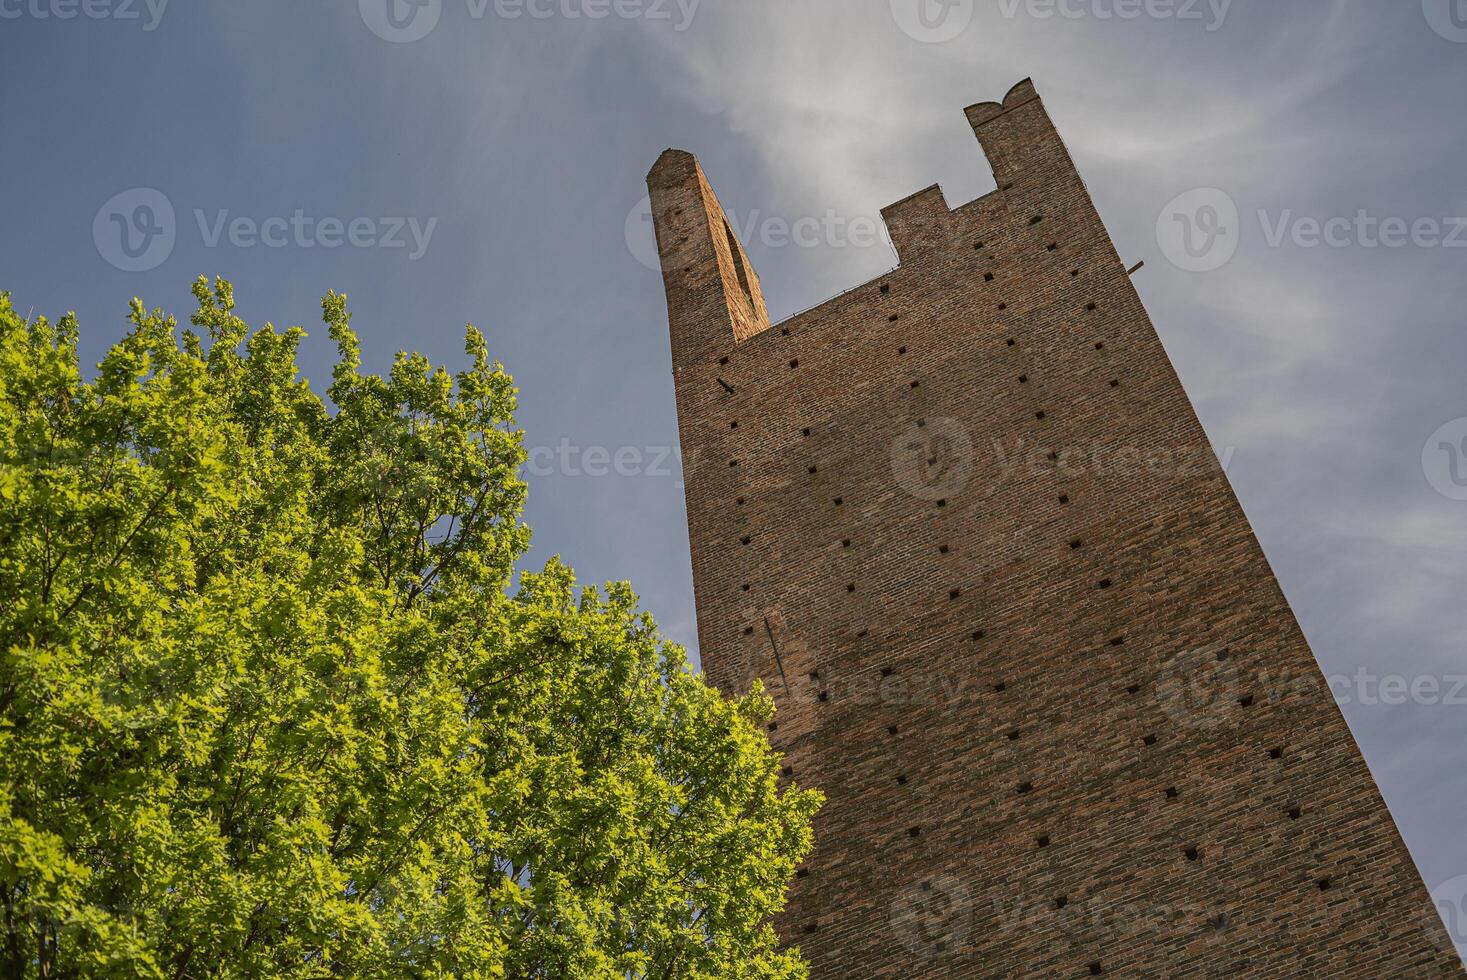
(453, 161)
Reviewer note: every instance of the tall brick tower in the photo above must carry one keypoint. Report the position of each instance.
(963, 522)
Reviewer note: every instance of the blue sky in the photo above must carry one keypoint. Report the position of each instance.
(491, 171)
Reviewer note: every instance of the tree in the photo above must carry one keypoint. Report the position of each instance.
(271, 706)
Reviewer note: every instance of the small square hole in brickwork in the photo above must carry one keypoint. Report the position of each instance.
(1134, 689)
(1003, 306)
(1039, 415)
(1051, 247)
(774, 726)
(1036, 219)
(1114, 383)
(802, 873)
(916, 384)
(1103, 584)
(748, 631)
(794, 364)
(1193, 854)
(1064, 498)
(886, 672)
(1100, 345)
(1023, 379)
(901, 780)
(892, 730)
(1149, 740)
(740, 501)
(988, 277)
(1053, 456)
(851, 588)
(1007, 187)
(1096, 969)
(1223, 655)
(1275, 753)
(863, 634)
(1011, 341)
(824, 695)
(1090, 307)
(745, 540)
(812, 927)
(942, 503)
(805, 432)
(1077, 544)
(785, 331)
(1171, 792)
(1014, 735)
(1074, 272)
(914, 832)
(845, 543)
(732, 463)
(1042, 840)
(1324, 884)
(901, 350)
(813, 469)
(979, 634)
(789, 770)
(893, 318)
(885, 288)
(1118, 641)
(1246, 701)
(1000, 687)
(1061, 902)
(733, 425)
(921, 423)
(1295, 813)
(954, 593)
(745, 587)
(839, 501)
(723, 360)
(943, 549)
(1026, 788)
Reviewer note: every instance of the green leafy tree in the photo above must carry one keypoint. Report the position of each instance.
(270, 705)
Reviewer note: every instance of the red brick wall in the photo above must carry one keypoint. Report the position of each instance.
(964, 523)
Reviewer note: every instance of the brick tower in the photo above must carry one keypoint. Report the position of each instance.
(963, 522)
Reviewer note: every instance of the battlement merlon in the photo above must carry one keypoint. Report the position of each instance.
(713, 292)
(1018, 136)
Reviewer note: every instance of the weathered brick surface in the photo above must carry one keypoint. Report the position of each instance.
(964, 523)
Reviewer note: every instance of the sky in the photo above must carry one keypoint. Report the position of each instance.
(1290, 173)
